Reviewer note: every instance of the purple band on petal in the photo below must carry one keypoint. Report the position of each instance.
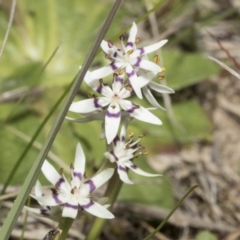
(137, 64)
(56, 199)
(113, 115)
(131, 74)
(115, 157)
(99, 89)
(130, 44)
(44, 212)
(71, 206)
(78, 175)
(59, 182)
(113, 66)
(141, 51)
(96, 104)
(91, 185)
(122, 168)
(132, 109)
(118, 79)
(115, 140)
(88, 205)
(133, 166)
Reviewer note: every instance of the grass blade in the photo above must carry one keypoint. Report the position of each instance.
(170, 214)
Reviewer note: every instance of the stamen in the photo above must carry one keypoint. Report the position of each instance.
(113, 106)
(137, 40)
(107, 56)
(121, 71)
(137, 107)
(145, 153)
(61, 171)
(130, 135)
(156, 59)
(163, 69)
(89, 95)
(142, 135)
(129, 88)
(135, 155)
(129, 51)
(71, 166)
(122, 37)
(101, 81)
(94, 96)
(160, 77)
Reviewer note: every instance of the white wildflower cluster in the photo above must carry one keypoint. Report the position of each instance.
(132, 74)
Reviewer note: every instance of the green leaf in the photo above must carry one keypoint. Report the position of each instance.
(206, 235)
(185, 69)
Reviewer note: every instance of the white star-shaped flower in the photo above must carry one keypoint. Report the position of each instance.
(122, 154)
(114, 98)
(78, 192)
(130, 58)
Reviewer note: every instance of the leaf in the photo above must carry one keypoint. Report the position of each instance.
(185, 69)
(206, 235)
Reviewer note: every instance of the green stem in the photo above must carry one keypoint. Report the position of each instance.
(65, 225)
(31, 178)
(112, 192)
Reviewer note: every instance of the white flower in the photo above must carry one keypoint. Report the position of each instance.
(130, 58)
(122, 154)
(78, 192)
(113, 98)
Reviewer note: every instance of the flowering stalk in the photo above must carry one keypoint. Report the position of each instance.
(64, 225)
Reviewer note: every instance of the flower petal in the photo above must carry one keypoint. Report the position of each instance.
(95, 208)
(106, 70)
(151, 48)
(139, 171)
(42, 212)
(78, 167)
(112, 121)
(38, 189)
(96, 181)
(108, 50)
(122, 171)
(54, 177)
(70, 208)
(147, 65)
(140, 112)
(134, 80)
(160, 88)
(89, 105)
(52, 200)
(147, 93)
(117, 83)
(132, 37)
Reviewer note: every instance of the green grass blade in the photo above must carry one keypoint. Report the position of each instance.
(170, 214)
(14, 213)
